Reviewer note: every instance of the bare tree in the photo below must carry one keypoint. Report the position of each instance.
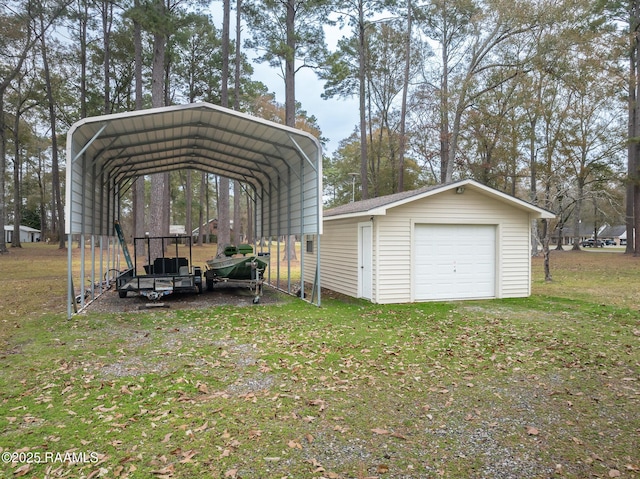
(17, 39)
(224, 228)
(55, 176)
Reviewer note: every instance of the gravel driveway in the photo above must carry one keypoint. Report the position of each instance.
(222, 295)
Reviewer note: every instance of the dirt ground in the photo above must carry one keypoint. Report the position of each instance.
(221, 295)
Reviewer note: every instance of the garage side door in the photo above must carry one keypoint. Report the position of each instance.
(454, 262)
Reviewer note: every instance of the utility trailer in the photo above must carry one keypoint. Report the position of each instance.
(166, 274)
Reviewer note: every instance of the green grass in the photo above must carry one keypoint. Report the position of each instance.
(534, 387)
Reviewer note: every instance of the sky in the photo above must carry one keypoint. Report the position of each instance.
(336, 117)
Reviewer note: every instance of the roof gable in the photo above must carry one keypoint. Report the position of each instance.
(380, 205)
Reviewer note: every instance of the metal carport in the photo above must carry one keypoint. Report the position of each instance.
(280, 166)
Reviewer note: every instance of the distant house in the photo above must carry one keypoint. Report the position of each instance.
(211, 229)
(566, 236)
(616, 233)
(27, 234)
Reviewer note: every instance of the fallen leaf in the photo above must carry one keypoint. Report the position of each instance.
(294, 444)
(167, 437)
(614, 473)
(382, 469)
(318, 402)
(187, 456)
(203, 427)
(380, 431)
(532, 431)
(22, 470)
(231, 473)
(165, 471)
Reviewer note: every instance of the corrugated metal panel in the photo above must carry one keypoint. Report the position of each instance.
(281, 164)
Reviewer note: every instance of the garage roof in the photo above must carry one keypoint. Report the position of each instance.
(379, 206)
(281, 166)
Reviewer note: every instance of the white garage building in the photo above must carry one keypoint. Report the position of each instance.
(457, 241)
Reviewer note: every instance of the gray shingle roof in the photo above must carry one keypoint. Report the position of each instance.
(373, 203)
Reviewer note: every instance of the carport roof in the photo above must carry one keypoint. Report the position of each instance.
(282, 166)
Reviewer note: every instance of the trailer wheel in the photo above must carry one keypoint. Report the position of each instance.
(122, 294)
(256, 300)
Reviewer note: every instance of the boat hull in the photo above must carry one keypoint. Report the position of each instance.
(244, 268)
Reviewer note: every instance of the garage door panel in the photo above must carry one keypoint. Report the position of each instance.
(454, 262)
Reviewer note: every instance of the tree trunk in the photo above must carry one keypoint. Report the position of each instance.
(107, 8)
(3, 161)
(84, 19)
(545, 250)
(4, 84)
(188, 203)
(159, 202)
(405, 88)
(238, 58)
(444, 113)
(17, 196)
(224, 233)
(201, 209)
(249, 221)
(237, 230)
(55, 169)
(224, 228)
(139, 185)
(632, 126)
(290, 67)
(236, 105)
(534, 186)
(633, 234)
(364, 154)
(43, 205)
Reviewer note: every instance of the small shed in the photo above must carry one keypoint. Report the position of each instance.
(27, 234)
(455, 241)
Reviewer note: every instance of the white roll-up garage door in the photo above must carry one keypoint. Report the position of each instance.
(454, 262)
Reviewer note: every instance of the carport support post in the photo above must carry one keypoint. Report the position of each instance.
(70, 292)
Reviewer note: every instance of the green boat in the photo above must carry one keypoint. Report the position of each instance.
(246, 270)
(238, 268)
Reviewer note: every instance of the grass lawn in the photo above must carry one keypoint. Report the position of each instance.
(546, 386)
